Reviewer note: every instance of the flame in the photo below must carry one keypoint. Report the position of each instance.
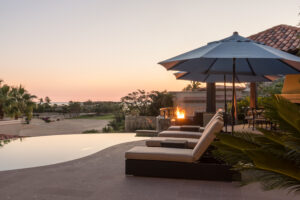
(180, 114)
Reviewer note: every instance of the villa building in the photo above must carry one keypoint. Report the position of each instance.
(195, 101)
(285, 38)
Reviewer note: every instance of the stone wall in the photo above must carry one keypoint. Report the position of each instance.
(133, 123)
(162, 123)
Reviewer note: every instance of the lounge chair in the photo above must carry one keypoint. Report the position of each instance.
(190, 138)
(189, 134)
(193, 128)
(159, 141)
(180, 163)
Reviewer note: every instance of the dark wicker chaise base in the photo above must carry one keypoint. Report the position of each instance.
(203, 171)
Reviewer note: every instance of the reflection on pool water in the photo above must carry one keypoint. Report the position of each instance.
(46, 150)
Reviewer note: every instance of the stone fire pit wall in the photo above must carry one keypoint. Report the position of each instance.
(132, 123)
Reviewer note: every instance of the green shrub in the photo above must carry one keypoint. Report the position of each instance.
(116, 125)
(91, 131)
(271, 158)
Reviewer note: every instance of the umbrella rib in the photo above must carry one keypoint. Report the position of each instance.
(206, 77)
(250, 66)
(210, 66)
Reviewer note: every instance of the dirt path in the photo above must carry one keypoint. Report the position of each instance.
(38, 127)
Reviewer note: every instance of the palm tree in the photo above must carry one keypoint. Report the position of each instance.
(272, 158)
(194, 85)
(5, 99)
(22, 103)
(47, 100)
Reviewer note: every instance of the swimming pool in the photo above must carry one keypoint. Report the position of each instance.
(47, 150)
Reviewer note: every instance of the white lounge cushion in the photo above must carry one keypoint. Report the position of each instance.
(185, 128)
(156, 141)
(174, 128)
(160, 153)
(180, 134)
(207, 138)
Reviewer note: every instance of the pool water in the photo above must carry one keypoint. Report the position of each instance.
(47, 150)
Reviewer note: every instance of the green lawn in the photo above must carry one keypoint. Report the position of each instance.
(102, 117)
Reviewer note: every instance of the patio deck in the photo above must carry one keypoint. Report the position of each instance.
(242, 128)
(101, 176)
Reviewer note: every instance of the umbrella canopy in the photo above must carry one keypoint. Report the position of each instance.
(212, 78)
(251, 58)
(235, 55)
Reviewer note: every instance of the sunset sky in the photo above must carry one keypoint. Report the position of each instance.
(104, 49)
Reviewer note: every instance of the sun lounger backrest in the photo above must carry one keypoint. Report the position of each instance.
(218, 113)
(207, 138)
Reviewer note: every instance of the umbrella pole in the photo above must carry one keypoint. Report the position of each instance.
(233, 95)
(225, 104)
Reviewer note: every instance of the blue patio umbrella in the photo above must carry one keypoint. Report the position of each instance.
(235, 55)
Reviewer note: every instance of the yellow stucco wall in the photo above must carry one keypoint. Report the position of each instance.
(291, 84)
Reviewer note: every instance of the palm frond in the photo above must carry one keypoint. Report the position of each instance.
(267, 161)
(285, 113)
(238, 140)
(289, 112)
(230, 155)
(270, 180)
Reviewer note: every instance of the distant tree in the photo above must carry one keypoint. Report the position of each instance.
(5, 99)
(65, 109)
(270, 88)
(40, 107)
(88, 103)
(116, 125)
(194, 85)
(107, 107)
(16, 102)
(21, 103)
(159, 100)
(136, 102)
(74, 107)
(47, 105)
(146, 103)
(47, 100)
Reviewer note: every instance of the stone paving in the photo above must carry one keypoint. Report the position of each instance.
(101, 176)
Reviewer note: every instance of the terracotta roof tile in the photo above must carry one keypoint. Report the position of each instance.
(283, 37)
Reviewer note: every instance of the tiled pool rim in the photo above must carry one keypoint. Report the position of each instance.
(47, 150)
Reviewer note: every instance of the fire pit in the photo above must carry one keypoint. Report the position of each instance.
(182, 119)
(178, 116)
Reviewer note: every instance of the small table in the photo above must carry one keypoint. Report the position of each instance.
(175, 143)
